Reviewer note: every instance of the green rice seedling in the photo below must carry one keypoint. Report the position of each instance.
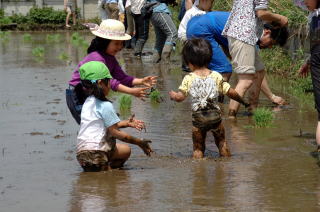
(4, 36)
(38, 52)
(125, 102)
(75, 36)
(263, 117)
(63, 56)
(27, 37)
(155, 95)
(55, 38)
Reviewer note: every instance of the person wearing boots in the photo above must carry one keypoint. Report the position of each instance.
(165, 30)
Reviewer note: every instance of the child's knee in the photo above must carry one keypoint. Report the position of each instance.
(123, 151)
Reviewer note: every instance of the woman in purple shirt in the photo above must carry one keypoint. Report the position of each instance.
(108, 42)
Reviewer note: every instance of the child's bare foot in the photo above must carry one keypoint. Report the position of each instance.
(232, 114)
(197, 154)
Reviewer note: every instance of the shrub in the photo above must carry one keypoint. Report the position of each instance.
(46, 15)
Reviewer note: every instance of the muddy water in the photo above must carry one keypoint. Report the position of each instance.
(270, 169)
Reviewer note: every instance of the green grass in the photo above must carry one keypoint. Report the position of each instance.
(63, 56)
(38, 52)
(263, 117)
(27, 37)
(125, 102)
(55, 38)
(279, 62)
(78, 41)
(4, 36)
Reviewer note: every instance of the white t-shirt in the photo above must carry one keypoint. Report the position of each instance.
(96, 117)
(193, 11)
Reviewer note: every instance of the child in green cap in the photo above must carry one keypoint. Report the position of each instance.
(97, 149)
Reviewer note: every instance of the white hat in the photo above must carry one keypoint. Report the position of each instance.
(110, 29)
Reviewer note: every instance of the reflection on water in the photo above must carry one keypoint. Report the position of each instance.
(271, 169)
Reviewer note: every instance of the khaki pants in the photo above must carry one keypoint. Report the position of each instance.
(245, 57)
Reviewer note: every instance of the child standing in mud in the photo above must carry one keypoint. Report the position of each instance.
(204, 87)
(109, 40)
(97, 149)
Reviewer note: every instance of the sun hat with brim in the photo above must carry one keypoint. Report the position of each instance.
(94, 71)
(300, 3)
(109, 29)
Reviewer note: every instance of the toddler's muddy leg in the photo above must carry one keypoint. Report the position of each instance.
(199, 146)
(220, 140)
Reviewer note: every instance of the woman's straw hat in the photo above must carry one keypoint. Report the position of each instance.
(110, 29)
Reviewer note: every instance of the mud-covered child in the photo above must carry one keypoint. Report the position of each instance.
(97, 149)
(204, 86)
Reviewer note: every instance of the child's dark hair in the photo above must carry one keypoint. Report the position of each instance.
(87, 88)
(98, 44)
(279, 34)
(169, 2)
(197, 51)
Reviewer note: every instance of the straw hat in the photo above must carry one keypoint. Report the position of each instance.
(110, 29)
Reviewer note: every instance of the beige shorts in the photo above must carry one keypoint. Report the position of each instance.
(245, 57)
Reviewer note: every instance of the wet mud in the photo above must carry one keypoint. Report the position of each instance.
(270, 169)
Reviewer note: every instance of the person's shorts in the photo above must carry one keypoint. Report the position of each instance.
(94, 160)
(245, 57)
(206, 119)
(71, 8)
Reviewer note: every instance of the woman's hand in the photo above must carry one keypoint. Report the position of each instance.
(304, 70)
(139, 92)
(149, 81)
(144, 145)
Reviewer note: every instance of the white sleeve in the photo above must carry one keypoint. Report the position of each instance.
(182, 31)
(121, 7)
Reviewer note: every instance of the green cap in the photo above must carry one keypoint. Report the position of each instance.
(94, 70)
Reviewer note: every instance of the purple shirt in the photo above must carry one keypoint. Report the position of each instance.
(118, 75)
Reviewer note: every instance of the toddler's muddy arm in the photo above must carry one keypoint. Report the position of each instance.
(177, 96)
(235, 96)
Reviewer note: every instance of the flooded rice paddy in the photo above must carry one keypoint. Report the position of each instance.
(271, 169)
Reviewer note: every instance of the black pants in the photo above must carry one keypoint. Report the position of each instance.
(315, 75)
(142, 31)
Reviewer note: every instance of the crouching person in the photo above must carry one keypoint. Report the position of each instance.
(97, 149)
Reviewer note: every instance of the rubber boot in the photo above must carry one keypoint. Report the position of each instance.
(166, 52)
(156, 57)
(138, 48)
